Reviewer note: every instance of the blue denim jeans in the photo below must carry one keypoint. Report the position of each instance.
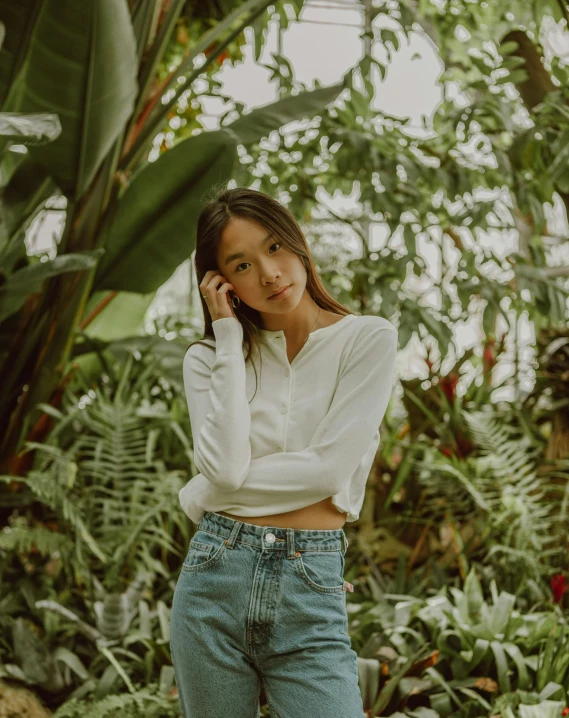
(260, 606)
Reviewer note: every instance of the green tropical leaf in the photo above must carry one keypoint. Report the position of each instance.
(26, 281)
(546, 709)
(18, 20)
(559, 164)
(153, 230)
(72, 661)
(122, 317)
(261, 121)
(81, 64)
(25, 193)
(502, 667)
(473, 596)
(517, 656)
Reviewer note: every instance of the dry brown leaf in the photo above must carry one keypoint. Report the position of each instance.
(417, 668)
(487, 684)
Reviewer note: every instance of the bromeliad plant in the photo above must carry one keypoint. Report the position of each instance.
(530, 705)
(454, 654)
(494, 639)
(120, 641)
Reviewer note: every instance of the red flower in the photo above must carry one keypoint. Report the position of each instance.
(224, 55)
(489, 355)
(448, 384)
(559, 587)
(565, 712)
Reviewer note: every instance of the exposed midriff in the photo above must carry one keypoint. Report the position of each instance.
(320, 516)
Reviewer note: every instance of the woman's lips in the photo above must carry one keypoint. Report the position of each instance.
(281, 294)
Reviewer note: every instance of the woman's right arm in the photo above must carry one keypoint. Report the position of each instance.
(215, 388)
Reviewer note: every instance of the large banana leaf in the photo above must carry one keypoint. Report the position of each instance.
(9, 163)
(262, 120)
(153, 230)
(24, 188)
(144, 16)
(21, 191)
(123, 317)
(81, 64)
(18, 19)
(19, 285)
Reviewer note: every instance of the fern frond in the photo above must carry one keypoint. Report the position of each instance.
(24, 538)
(499, 485)
(147, 702)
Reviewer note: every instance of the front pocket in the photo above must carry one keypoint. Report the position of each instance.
(322, 570)
(204, 551)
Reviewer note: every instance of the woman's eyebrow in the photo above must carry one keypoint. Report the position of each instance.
(238, 255)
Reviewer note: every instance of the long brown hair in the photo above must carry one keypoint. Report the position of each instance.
(276, 219)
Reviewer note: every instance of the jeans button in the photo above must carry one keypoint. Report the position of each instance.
(270, 538)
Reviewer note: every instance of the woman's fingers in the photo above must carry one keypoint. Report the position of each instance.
(212, 281)
(210, 288)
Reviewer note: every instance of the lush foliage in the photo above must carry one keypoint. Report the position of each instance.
(459, 559)
(119, 204)
(454, 653)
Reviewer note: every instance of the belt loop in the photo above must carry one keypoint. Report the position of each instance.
(233, 535)
(290, 548)
(345, 539)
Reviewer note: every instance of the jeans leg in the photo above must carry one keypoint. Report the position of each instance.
(214, 675)
(210, 687)
(307, 663)
(319, 680)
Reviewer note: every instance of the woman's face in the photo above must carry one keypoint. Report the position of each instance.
(262, 267)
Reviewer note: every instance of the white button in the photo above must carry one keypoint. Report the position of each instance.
(283, 409)
(270, 538)
(287, 372)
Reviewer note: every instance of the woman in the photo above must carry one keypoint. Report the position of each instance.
(284, 455)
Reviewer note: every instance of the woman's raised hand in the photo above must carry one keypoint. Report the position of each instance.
(217, 297)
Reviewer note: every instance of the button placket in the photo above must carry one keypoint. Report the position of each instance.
(285, 408)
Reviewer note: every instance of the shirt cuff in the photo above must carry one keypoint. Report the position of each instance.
(228, 334)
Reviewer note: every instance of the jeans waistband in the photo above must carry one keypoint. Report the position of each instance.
(274, 538)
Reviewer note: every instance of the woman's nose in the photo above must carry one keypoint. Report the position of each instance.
(269, 274)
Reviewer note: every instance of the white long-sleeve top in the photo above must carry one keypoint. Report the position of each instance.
(310, 431)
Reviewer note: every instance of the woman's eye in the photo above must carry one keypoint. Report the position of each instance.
(242, 263)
